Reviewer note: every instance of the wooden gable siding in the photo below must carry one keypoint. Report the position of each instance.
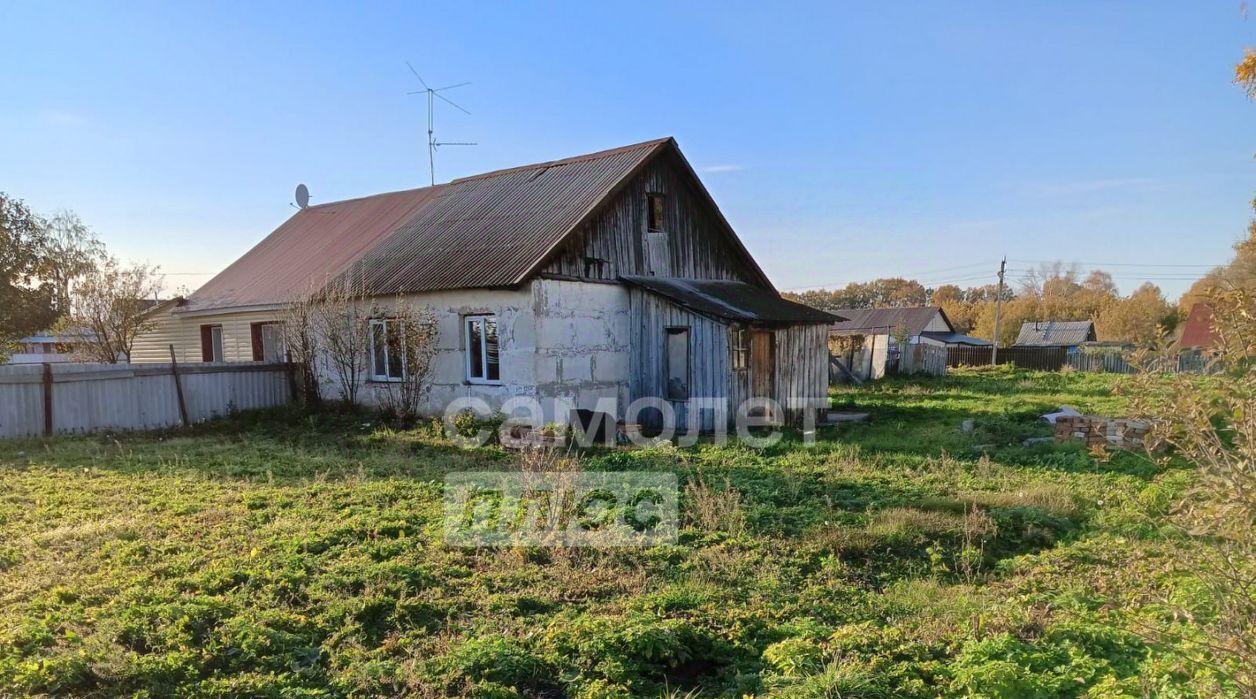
(698, 246)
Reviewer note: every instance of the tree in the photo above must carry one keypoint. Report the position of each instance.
(70, 252)
(27, 302)
(1143, 318)
(341, 319)
(1211, 422)
(108, 309)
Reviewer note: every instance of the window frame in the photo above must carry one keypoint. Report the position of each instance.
(650, 199)
(385, 377)
(482, 319)
(668, 332)
(217, 344)
(739, 347)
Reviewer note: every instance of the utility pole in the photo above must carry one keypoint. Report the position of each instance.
(998, 312)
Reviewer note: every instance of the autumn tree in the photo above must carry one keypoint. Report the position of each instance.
(27, 302)
(70, 251)
(108, 309)
(1143, 318)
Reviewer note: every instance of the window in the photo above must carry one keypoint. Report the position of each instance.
(483, 362)
(739, 341)
(268, 345)
(678, 363)
(654, 212)
(388, 356)
(211, 343)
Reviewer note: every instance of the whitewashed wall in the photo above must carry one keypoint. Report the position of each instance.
(97, 397)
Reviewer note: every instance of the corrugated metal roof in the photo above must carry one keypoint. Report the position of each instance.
(733, 300)
(317, 243)
(883, 321)
(956, 339)
(1055, 333)
(492, 230)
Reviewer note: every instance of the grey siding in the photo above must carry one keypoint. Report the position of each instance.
(698, 245)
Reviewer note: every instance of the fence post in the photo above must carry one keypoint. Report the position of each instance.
(178, 387)
(47, 399)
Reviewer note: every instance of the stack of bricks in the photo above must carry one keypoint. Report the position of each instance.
(1094, 431)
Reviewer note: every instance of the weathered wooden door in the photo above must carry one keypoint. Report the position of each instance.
(763, 364)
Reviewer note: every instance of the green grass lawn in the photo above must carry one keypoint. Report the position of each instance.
(286, 555)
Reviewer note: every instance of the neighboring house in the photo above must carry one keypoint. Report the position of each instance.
(611, 275)
(868, 340)
(1197, 331)
(45, 346)
(1056, 333)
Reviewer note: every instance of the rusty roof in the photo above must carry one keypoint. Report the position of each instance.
(496, 229)
(317, 243)
(910, 320)
(732, 300)
(491, 230)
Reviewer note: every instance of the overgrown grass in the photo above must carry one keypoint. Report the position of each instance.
(285, 555)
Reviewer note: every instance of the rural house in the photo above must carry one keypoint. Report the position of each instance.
(1197, 331)
(608, 276)
(870, 341)
(1068, 334)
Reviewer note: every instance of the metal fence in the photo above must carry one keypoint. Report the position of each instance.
(1038, 358)
(54, 398)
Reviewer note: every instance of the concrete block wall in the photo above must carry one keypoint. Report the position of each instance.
(581, 344)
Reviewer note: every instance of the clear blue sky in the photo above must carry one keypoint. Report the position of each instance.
(844, 141)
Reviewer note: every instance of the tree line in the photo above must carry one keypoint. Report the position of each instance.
(1052, 291)
(56, 275)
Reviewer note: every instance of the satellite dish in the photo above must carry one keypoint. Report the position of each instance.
(303, 196)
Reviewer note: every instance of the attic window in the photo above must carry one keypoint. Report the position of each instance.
(654, 212)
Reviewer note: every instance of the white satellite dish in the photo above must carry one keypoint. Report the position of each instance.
(303, 196)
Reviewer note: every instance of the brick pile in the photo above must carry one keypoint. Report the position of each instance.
(1095, 430)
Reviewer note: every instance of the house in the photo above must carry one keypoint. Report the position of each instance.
(595, 282)
(869, 340)
(1197, 331)
(1056, 333)
(43, 347)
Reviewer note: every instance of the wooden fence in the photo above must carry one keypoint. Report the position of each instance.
(922, 358)
(1115, 362)
(46, 399)
(1038, 358)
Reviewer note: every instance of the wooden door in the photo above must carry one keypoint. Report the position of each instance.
(763, 364)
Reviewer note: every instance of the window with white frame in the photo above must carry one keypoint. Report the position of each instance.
(388, 355)
(483, 360)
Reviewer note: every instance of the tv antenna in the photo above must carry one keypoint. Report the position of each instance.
(432, 96)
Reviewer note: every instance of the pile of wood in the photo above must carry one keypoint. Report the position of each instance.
(1096, 430)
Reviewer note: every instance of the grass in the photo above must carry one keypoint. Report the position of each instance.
(278, 554)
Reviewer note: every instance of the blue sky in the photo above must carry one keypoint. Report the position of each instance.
(844, 141)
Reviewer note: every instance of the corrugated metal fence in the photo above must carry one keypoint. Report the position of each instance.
(1038, 358)
(50, 398)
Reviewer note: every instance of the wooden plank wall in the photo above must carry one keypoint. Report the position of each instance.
(802, 369)
(697, 245)
(802, 357)
(649, 318)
